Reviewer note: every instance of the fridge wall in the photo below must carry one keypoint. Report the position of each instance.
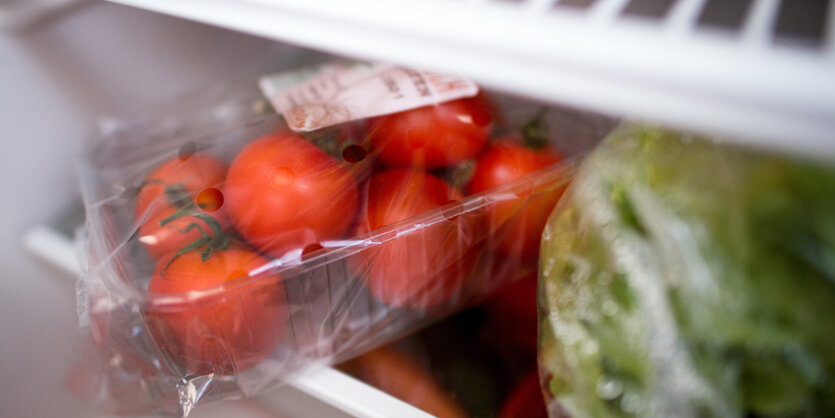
(56, 77)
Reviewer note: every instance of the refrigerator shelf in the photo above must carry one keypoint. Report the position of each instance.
(759, 72)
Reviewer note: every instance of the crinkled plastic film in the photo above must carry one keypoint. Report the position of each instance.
(281, 307)
(682, 278)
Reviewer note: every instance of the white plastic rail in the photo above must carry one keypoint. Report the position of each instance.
(669, 70)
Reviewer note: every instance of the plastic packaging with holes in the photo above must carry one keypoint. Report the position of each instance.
(228, 252)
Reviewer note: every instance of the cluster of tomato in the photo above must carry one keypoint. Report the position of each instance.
(207, 224)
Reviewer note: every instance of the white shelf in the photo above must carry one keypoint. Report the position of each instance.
(740, 83)
(353, 396)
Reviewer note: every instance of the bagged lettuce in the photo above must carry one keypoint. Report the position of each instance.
(683, 278)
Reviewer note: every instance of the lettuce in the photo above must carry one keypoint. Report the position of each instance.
(682, 278)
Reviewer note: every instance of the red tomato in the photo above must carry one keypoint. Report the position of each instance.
(526, 401)
(423, 268)
(191, 185)
(283, 193)
(229, 328)
(512, 313)
(517, 224)
(432, 136)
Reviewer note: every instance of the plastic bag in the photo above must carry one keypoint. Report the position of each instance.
(682, 278)
(227, 253)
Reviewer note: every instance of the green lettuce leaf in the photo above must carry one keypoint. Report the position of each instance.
(682, 278)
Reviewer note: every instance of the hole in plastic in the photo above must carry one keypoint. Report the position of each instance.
(210, 199)
(354, 153)
(310, 250)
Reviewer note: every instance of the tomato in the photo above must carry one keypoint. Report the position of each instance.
(512, 313)
(432, 136)
(425, 267)
(401, 376)
(517, 225)
(210, 316)
(180, 201)
(526, 401)
(284, 193)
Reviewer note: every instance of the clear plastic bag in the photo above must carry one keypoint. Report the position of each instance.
(682, 278)
(227, 253)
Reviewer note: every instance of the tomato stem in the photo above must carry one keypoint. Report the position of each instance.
(207, 244)
(179, 213)
(193, 246)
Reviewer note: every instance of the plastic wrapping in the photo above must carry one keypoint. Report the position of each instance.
(206, 282)
(682, 278)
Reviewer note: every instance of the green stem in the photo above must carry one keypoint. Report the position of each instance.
(179, 213)
(195, 225)
(192, 246)
(207, 244)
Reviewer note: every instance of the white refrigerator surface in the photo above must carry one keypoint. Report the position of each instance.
(58, 76)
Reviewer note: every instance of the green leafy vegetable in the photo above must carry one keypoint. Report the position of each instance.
(683, 278)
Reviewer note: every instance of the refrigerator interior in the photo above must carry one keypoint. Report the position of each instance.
(756, 72)
(61, 73)
(58, 77)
